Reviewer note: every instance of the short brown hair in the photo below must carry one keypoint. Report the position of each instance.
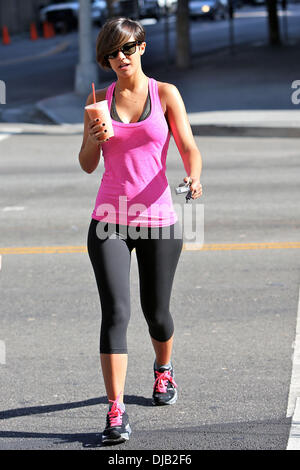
(114, 33)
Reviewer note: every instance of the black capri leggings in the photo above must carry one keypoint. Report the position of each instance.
(157, 250)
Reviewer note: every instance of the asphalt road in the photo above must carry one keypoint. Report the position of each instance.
(234, 309)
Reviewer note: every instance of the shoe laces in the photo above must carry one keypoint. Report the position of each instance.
(162, 379)
(115, 413)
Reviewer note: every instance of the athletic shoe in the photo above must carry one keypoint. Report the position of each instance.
(164, 390)
(117, 428)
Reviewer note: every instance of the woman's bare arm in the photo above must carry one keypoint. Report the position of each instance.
(90, 152)
(183, 136)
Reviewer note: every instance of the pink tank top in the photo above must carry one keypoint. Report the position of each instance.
(134, 189)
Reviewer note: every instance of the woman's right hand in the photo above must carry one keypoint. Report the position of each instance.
(97, 131)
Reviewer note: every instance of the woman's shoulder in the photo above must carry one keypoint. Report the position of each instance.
(100, 96)
(165, 87)
(167, 92)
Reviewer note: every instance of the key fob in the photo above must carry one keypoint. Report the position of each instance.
(188, 196)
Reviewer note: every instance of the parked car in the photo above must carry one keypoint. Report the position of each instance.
(137, 9)
(212, 9)
(149, 9)
(169, 5)
(65, 14)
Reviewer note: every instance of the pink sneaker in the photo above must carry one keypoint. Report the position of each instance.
(164, 390)
(117, 428)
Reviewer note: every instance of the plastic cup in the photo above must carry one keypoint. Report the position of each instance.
(100, 110)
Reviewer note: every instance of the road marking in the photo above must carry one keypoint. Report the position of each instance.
(13, 208)
(5, 133)
(260, 14)
(23, 250)
(44, 129)
(240, 246)
(294, 437)
(2, 343)
(295, 378)
(293, 408)
(54, 50)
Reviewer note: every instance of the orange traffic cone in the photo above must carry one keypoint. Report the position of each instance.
(5, 36)
(33, 32)
(51, 30)
(48, 30)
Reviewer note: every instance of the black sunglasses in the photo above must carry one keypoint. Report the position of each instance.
(128, 49)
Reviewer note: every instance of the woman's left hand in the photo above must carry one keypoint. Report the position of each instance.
(195, 187)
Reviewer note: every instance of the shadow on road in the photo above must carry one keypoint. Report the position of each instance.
(33, 410)
(86, 439)
(249, 435)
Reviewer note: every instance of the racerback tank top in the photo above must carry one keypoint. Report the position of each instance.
(134, 189)
(114, 113)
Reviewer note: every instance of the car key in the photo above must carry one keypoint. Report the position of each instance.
(188, 196)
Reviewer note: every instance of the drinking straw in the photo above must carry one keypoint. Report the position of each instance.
(94, 94)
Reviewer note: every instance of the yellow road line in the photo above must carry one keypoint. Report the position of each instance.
(242, 246)
(23, 250)
(54, 50)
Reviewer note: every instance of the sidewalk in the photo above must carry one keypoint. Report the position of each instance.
(245, 93)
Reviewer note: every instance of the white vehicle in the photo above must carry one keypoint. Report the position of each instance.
(171, 5)
(65, 14)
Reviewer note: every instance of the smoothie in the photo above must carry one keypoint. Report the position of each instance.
(100, 110)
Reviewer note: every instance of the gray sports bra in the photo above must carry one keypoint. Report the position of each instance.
(113, 111)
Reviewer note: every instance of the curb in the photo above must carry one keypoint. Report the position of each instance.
(40, 106)
(244, 131)
(205, 130)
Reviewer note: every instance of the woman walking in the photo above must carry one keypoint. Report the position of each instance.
(133, 209)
